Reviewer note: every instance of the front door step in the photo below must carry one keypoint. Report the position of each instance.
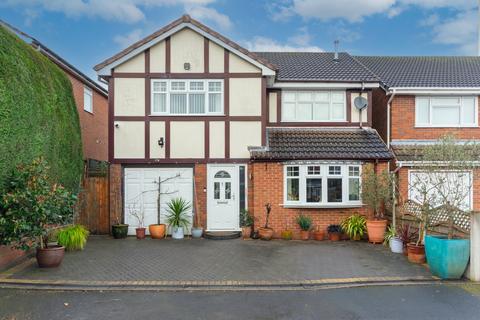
(222, 235)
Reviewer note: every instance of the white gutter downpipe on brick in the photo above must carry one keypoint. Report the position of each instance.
(392, 95)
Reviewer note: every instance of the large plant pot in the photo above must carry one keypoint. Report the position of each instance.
(246, 232)
(416, 254)
(140, 232)
(334, 236)
(265, 233)
(197, 233)
(120, 231)
(447, 259)
(396, 245)
(304, 235)
(157, 231)
(50, 257)
(319, 235)
(177, 233)
(376, 230)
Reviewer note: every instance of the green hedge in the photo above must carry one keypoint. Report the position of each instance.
(38, 116)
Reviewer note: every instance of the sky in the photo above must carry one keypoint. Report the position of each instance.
(85, 32)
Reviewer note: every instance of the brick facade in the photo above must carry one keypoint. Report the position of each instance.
(403, 124)
(94, 126)
(268, 184)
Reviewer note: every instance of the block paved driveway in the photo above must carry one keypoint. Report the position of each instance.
(106, 259)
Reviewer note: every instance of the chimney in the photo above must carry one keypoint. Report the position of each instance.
(335, 54)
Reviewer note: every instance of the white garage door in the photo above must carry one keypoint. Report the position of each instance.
(141, 191)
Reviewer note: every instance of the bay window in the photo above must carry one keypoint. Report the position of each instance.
(322, 184)
(187, 97)
(319, 106)
(446, 111)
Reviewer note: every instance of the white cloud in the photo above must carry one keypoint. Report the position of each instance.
(129, 38)
(206, 13)
(267, 44)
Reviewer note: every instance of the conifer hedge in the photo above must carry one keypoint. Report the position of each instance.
(38, 116)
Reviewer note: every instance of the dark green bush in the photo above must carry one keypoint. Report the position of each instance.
(38, 116)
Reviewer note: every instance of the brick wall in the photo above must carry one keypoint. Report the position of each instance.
(268, 188)
(403, 123)
(9, 257)
(200, 196)
(94, 125)
(379, 110)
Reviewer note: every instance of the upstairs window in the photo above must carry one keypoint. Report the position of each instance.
(313, 106)
(187, 97)
(87, 99)
(446, 111)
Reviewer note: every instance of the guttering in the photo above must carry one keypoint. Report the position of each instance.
(414, 163)
(437, 90)
(392, 94)
(321, 84)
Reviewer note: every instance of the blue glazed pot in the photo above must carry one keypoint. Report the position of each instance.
(447, 259)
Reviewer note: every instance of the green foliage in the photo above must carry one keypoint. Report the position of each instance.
(355, 226)
(287, 234)
(246, 219)
(334, 228)
(177, 213)
(73, 237)
(38, 114)
(377, 190)
(389, 235)
(32, 204)
(304, 222)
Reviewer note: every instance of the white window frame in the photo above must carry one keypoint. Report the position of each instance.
(430, 124)
(187, 91)
(89, 92)
(329, 92)
(471, 177)
(324, 175)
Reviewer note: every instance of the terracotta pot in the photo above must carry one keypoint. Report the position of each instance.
(157, 231)
(265, 233)
(376, 230)
(319, 235)
(416, 254)
(246, 232)
(50, 257)
(304, 234)
(140, 233)
(335, 236)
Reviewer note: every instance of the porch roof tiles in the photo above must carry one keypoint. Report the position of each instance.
(321, 144)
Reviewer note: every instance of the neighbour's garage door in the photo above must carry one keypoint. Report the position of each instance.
(141, 192)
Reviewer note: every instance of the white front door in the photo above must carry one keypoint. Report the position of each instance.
(222, 195)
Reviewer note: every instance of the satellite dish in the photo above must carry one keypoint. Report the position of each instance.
(360, 103)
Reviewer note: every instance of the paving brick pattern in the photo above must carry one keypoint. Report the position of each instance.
(106, 259)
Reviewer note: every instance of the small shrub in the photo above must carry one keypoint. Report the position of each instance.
(246, 219)
(355, 226)
(287, 235)
(304, 222)
(73, 237)
(334, 228)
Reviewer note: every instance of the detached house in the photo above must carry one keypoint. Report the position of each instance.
(237, 129)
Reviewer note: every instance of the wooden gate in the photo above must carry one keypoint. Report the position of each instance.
(93, 211)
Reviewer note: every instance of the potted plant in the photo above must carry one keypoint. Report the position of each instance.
(393, 241)
(444, 185)
(265, 232)
(177, 217)
(319, 234)
(355, 226)
(119, 230)
(286, 234)
(30, 206)
(334, 232)
(406, 234)
(377, 194)
(305, 224)
(158, 230)
(197, 230)
(139, 215)
(246, 222)
(73, 237)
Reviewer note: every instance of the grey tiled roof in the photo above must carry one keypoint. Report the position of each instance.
(321, 143)
(425, 71)
(317, 66)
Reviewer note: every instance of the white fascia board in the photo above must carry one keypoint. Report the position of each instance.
(439, 90)
(323, 85)
(106, 71)
(413, 163)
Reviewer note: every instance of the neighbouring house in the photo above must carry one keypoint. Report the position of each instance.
(420, 100)
(235, 130)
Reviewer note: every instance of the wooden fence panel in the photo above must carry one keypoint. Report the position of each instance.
(93, 205)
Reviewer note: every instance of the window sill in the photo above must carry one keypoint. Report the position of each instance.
(87, 111)
(322, 206)
(186, 115)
